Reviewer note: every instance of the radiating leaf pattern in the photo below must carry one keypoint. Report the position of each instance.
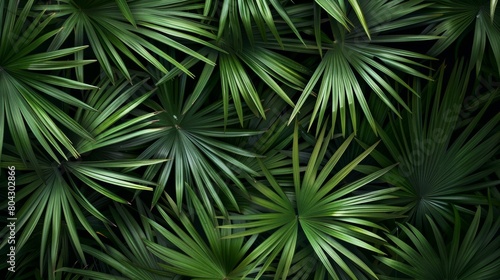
(328, 220)
(55, 193)
(116, 31)
(458, 18)
(439, 167)
(353, 57)
(475, 255)
(191, 136)
(26, 110)
(263, 139)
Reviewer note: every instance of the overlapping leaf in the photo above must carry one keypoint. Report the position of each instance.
(117, 30)
(476, 255)
(352, 57)
(129, 258)
(201, 253)
(26, 110)
(457, 18)
(440, 166)
(190, 133)
(319, 215)
(55, 198)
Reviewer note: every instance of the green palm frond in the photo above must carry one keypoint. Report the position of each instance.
(198, 249)
(271, 67)
(338, 11)
(455, 21)
(112, 104)
(317, 214)
(474, 256)
(30, 79)
(55, 204)
(190, 132)
(440, 166)
(212, 139)
(243, 58)
(56, 197)
(274, 145)
(352, 57)
(131, 29)
(237, 70)
(236, 16)
(129, 257)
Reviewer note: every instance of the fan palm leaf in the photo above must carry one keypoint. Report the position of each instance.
(190, 132)
(275, 143)
(234, 14)
(243, 59)
(132, 29)
(55, 196)
(29, 83)
(237, 69)
(201, 253)
(351, 55)
(129, 258)
(439, 166)
(457, 18)
(474, 256)
(153, 139)
(318, 214)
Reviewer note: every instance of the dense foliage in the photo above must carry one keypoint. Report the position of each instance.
(250, 139)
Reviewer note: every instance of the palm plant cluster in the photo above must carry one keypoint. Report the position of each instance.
(260, 139)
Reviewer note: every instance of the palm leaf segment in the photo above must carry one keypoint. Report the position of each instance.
(318, 218)
(353, 54)
(457, 17)
(439, 168)
(128, 257)
(201, 253)
(26, 93)
(131, 29)
(244, 55)
(474, 256)
(56, 203)
(192, 137)
(171, 246)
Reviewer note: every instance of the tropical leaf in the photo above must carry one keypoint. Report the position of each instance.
(441, 166)
(55, 202)
(129, 258)
(337, 10)
(124, 157)
(274, 145)
(237, 69)
(317, 215)
(129, 29)
(192, 136)
(458, 18)
(26, 111)
(353, 55)
(244, 58)
(250, 14)
(200, 253)
(476, 255)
